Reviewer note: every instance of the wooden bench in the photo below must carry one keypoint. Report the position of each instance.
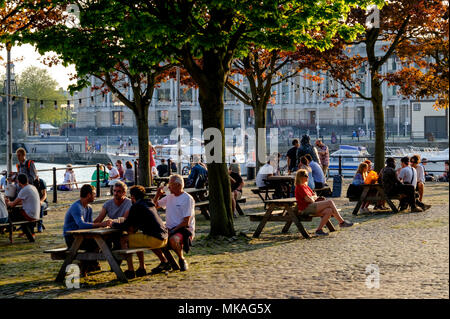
(120, 254)
(204, 208)
(10, 226)
(288, 214)
(379, 196)
(238, 207)
(263, 191)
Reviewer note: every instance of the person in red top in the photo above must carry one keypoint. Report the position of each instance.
(309, 202)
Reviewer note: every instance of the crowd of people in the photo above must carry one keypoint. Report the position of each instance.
(138, 216)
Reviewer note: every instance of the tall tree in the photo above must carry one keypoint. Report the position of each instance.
(212, 32)
(424, 59)
(102, 41)
(392, 27)
(37, 85)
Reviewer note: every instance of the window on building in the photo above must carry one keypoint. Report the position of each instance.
(163, 117)
(228, 117)
(117, 117)
(228, 96)
(185, 117)
(285, 91)
(250, 116)
(416, 107)
(186, 95)
(359, 115)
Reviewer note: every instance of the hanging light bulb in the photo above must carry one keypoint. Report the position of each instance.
(56, 105)
(42, 104)
(80, 102)
(28, 103)
(68, 103)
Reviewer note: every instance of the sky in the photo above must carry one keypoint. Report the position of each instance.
(30, 57)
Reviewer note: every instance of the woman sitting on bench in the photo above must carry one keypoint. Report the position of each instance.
(309, 203)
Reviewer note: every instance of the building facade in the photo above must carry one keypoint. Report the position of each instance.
(299, 106)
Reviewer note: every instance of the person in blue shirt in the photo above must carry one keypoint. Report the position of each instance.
(79, 216)
(198, 176)
(3, 180)
(317, 173)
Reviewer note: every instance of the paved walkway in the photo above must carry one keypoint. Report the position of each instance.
(411, 251)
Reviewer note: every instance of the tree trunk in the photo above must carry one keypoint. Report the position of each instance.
(260, 122)
(378, 115)
(143, 137)
(211, 102)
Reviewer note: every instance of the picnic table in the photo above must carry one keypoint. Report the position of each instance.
(25, 225)
(281, 183)
(105, 253)
(288, 213)
(99, 235)
(373, 193)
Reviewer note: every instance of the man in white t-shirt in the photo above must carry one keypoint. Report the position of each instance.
(114, 176)
(180, 216)
(408, 174)
(264, 172)
(28, 197)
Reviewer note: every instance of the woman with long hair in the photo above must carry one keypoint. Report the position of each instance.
(309, 202)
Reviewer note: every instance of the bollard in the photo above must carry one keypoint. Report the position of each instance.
(340, 165)
(55, 194)
(98, 180)
(135, 173)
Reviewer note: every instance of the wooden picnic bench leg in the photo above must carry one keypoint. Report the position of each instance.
(110, 258)
(263, 221)
(168, 255)
(361, 200)
(390, 203)
(330, 226)
(27, 230)
(69, 258)
(11, 228)
(239, 209)
(299, 224)
(286, 227)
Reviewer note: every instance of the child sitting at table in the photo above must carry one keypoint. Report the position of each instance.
(309, 202)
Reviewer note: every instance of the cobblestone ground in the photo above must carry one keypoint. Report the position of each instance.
(411, 251)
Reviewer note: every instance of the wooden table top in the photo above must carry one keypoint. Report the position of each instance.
(283, 178)
(94, 231)
(289, 200)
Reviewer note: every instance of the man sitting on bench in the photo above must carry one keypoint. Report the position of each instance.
(180, 217)
(393, 186)
(28, 197)
(142, 216)
(79, 216)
